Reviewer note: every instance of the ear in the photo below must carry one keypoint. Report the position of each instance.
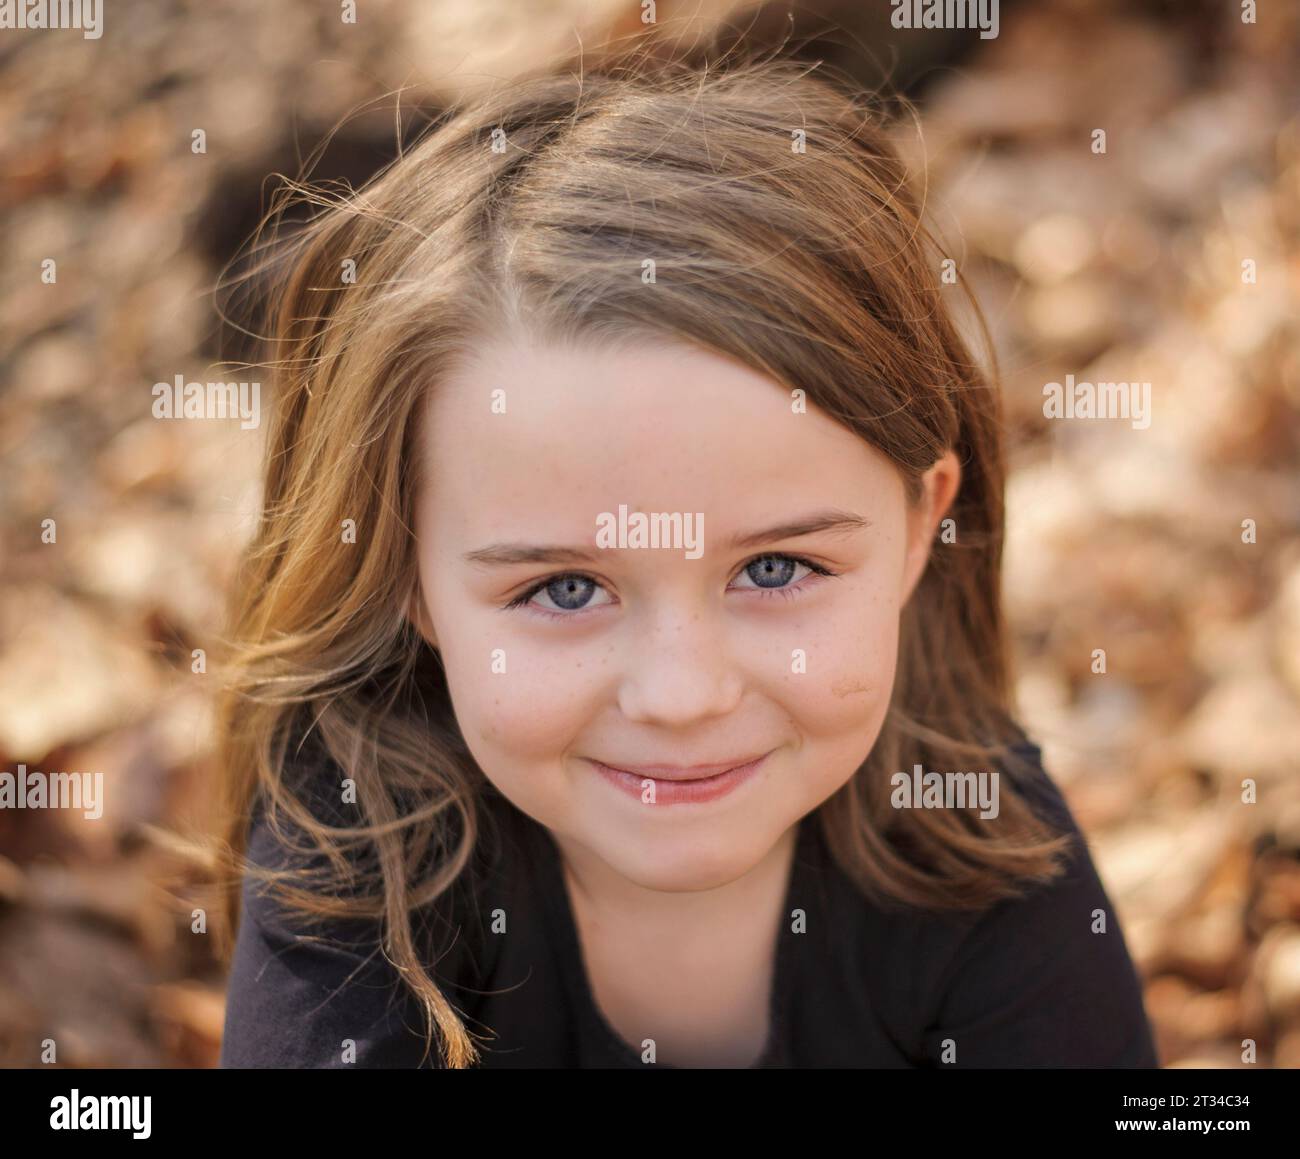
(939, 488)
(418, 614)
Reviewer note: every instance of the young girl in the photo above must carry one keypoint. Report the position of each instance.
(620, 674)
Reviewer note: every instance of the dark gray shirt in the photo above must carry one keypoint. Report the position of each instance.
(1025, 983)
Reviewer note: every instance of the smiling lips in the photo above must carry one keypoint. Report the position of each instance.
(682, 772)
(678, 784)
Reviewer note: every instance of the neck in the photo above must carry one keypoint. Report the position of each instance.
(611, 899)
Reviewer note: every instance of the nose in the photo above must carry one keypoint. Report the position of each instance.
(679, 670)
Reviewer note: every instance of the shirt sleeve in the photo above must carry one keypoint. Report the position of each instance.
(313, 995)
(1032, 985)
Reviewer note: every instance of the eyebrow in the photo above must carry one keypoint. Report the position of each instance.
(817, 522)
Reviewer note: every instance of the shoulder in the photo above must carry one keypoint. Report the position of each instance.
(305, 991)
(1038, 787)
(313, 994)
(1043, 979)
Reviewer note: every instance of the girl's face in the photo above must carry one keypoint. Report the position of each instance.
(766, 628)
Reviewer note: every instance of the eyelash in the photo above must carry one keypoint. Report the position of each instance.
(788, 592)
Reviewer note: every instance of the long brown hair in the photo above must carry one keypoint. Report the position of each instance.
(784, 235)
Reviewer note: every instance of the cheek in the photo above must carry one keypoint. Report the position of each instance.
(517, 706)
(851, 661)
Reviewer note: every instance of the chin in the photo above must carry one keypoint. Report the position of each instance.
(683, 863)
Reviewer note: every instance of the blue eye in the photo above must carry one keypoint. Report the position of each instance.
(775, 573)
(567, 593)
(772, 571)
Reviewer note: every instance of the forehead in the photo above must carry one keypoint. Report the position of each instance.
(657, 423)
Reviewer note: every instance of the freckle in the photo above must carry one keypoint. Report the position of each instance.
(843, 688)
